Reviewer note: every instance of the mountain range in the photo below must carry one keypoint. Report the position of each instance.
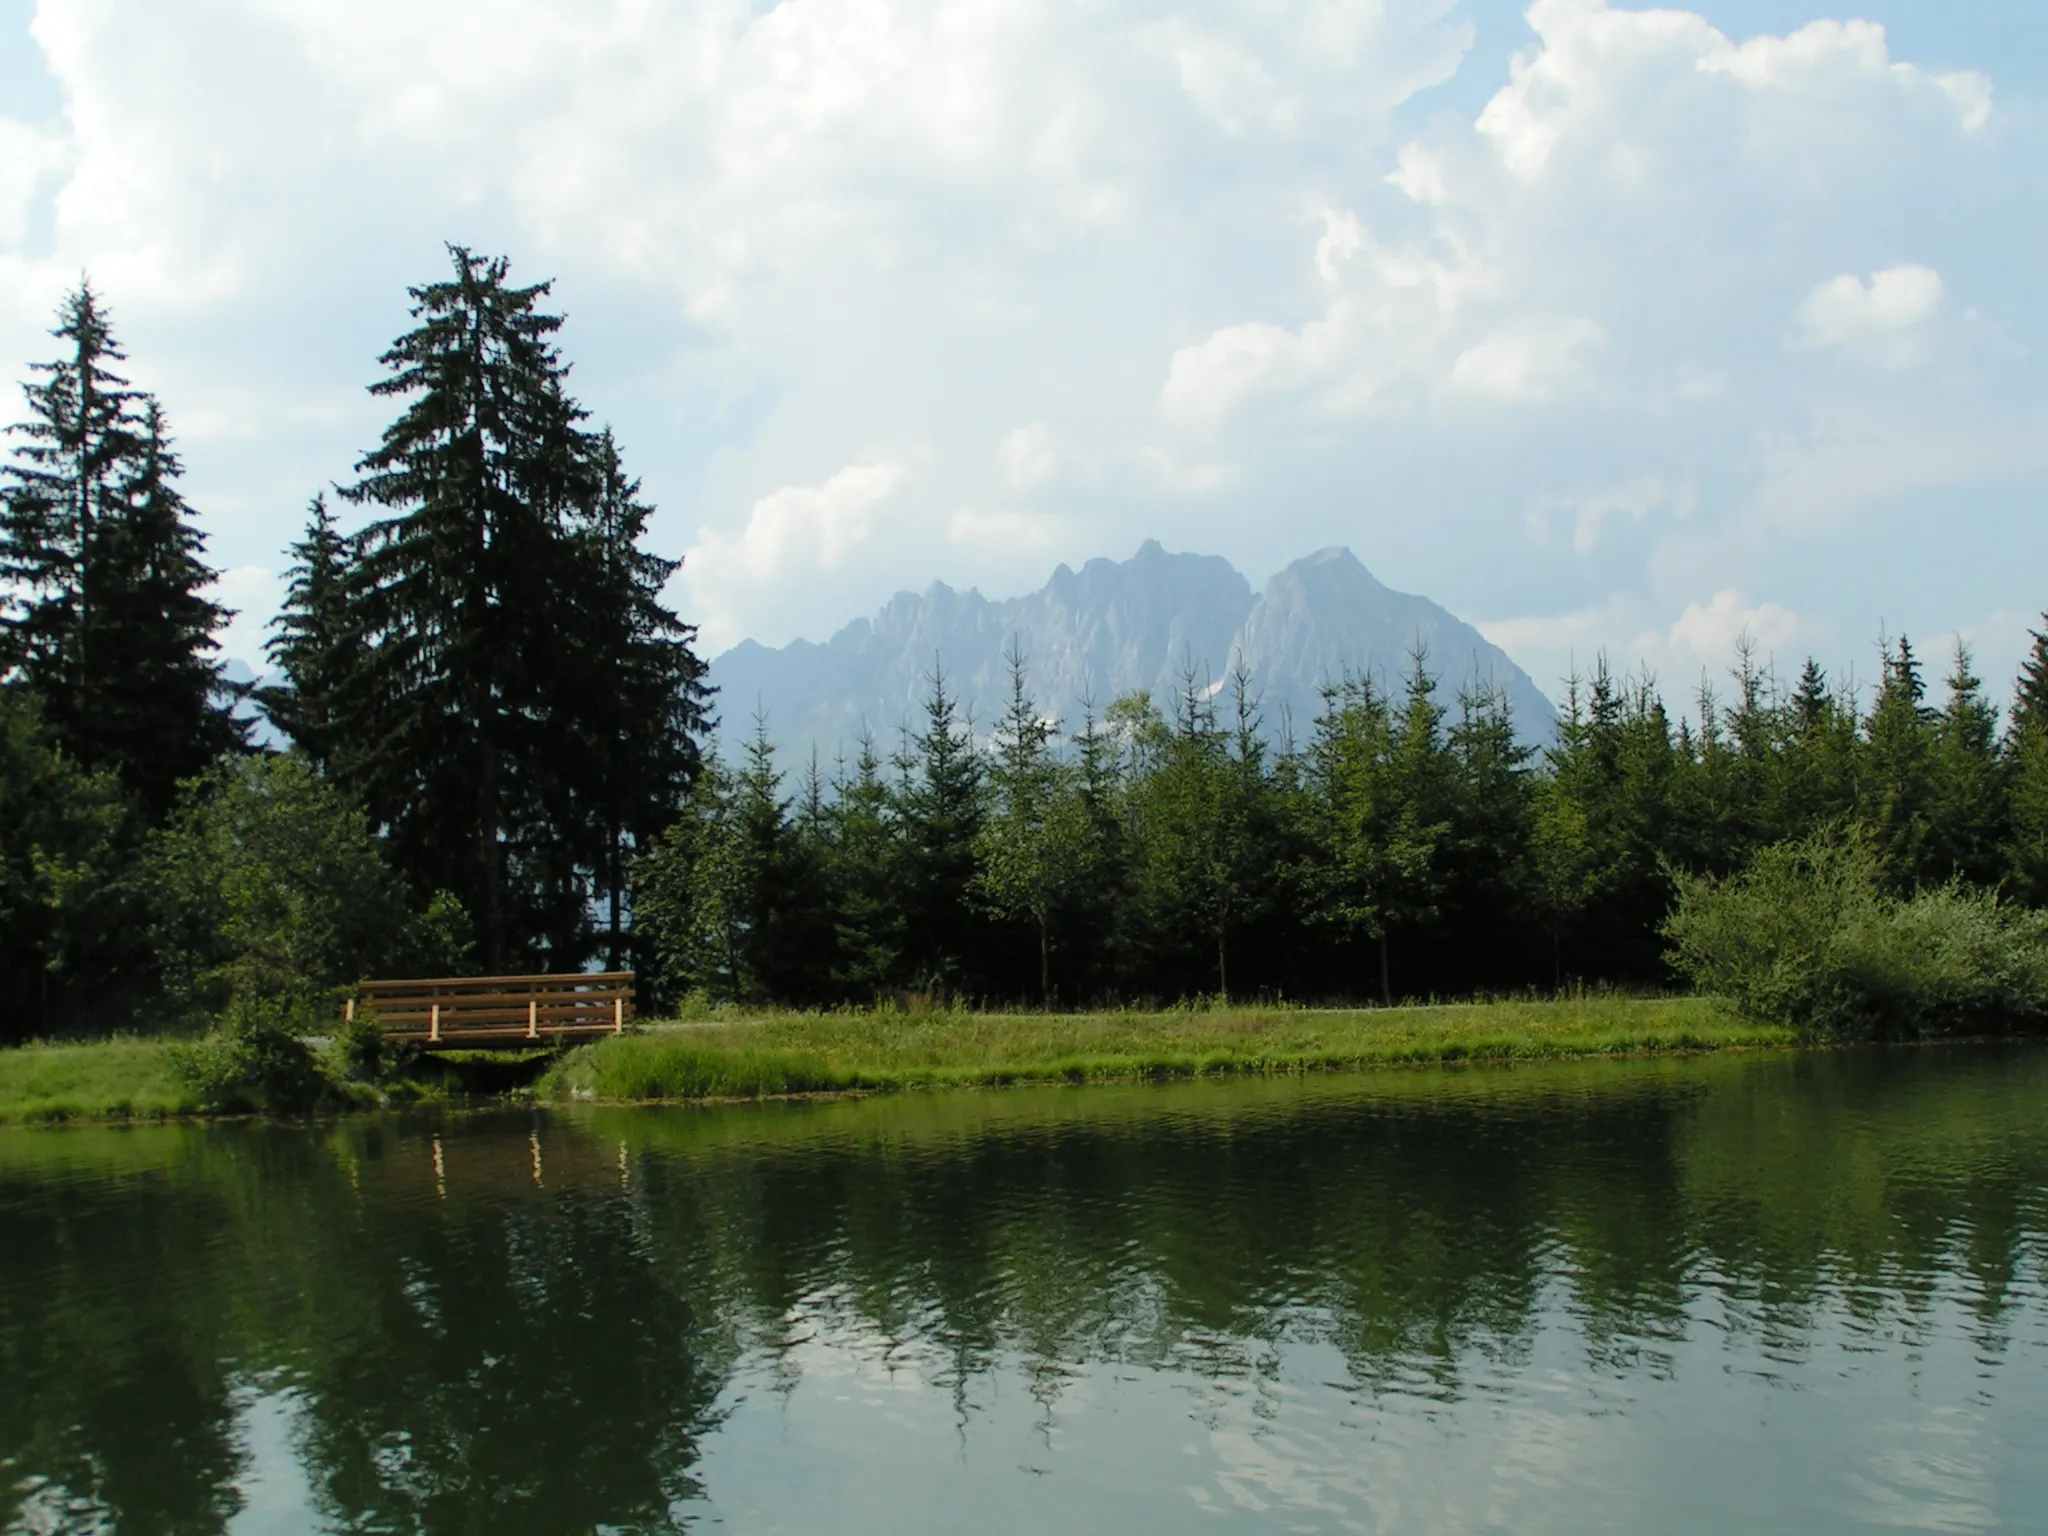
(1103, 631)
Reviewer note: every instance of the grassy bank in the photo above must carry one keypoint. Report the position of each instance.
(758, 1055)
(120, 1079)
(752, 1056)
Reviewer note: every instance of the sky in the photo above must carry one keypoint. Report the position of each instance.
(1614, 330)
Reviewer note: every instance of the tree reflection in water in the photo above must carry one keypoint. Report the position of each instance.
(533, 1324)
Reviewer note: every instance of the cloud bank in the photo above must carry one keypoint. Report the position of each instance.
(1608, 325)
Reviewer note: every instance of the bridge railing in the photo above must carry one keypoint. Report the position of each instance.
(498, 1010)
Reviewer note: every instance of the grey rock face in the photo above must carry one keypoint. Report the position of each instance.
(1103, 631)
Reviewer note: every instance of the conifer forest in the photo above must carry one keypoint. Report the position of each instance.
(498, 756)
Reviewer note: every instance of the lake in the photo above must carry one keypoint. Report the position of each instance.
(1799, 1292)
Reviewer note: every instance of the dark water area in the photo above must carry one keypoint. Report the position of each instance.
(1783, 1292)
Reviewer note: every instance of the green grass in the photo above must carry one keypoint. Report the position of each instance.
(117, 1079)
(755, 1056)
(763, 1055)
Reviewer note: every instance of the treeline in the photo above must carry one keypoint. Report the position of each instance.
(495, 763)
(491, 710)
(1410, 846)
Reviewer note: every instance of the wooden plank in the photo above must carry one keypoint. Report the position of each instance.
(550, 979)
(498, 999)
(500, 1033)
(506, 1018)
(504, 1015)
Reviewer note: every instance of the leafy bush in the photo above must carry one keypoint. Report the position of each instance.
(359, 1053)
(1808, 935)
(269, 889)
(253, 1063)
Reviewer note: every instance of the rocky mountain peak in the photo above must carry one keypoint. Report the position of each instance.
(1110, 628)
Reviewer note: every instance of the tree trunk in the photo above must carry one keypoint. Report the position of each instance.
(1386, 982)
(616, 880)
(488, 861)
(1222, 968)
(1044, 966)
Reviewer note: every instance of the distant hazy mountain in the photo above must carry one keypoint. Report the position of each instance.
(1103, 631)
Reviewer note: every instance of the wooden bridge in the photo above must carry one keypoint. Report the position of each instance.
(503, 1011)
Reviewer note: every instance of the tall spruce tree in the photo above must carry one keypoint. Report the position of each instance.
(108, 621)
(523, 712)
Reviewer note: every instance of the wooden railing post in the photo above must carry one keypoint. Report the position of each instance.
(434, 1026)
(348, 1012)
(618, 1015)
(533, 1018)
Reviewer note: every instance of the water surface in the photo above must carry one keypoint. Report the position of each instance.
(1735, 1293)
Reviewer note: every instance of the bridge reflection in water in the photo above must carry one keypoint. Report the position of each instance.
(1410, 1301)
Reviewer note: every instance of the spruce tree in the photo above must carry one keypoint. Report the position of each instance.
(1967, 806)
(2030, 696)
(108, 621)
(1898, 769)
(1569, 871)
(941, 812)
(862, 870)
(2025, 751)
(317, 647)
(1206, 844)
(524, 713)
(641, 726)
(1421, 782)
(1486, 855)
(1031, 851)
(1814, 775)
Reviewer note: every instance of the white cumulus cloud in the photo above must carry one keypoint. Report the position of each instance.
(1029, 457)
(789, 533)
(1849, 312)
(1234, 276)
(1708, 632)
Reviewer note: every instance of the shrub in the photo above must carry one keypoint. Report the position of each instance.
(1808, 935)
(360, 1053)
(269, 889)
(253, 1063)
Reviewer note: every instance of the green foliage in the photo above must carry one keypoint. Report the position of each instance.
(1204, 828)
(66, 909)
(1810, 934)
(106, 618)
(358, 1052)
(939, 809)
(1383, 787)
(495, 715)
(318, 647)
(517, 708)
(1033, 850)
(727, 901)
(268, 889)
(253, 1063)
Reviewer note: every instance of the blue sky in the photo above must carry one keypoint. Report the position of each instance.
(1610, 329)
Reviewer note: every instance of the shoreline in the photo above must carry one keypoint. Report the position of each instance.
(752, 1057)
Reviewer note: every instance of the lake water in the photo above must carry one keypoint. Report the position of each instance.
(1759, 1293)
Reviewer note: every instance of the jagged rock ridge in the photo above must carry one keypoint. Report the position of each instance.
(1104, 630)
